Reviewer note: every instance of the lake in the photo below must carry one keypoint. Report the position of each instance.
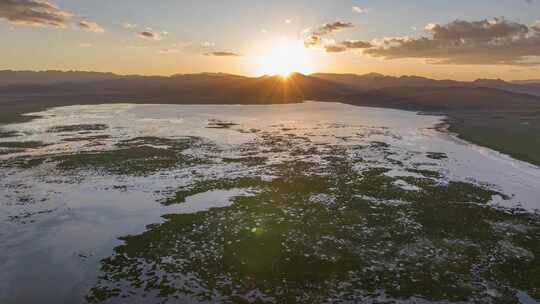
(311, 202)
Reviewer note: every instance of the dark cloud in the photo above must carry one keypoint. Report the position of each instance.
(347, 45)
(222, 54)
(149, 35)
(33, 12)
(356, 44)
(315, 36)
(489, 42)
(477, 30)
(334, 48)
(328, 28)
(91, 26)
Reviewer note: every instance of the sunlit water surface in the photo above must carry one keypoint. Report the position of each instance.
(56, 227)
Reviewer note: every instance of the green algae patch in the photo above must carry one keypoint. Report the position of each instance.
(248, 160)
(436, 155)
(182, 194)
(218, 124)
(7, 134)
(78, 128)
(22, 144)
(89, 138)
(23, 162)
(12, 147)
(7, 151)
(138, 156)
(316, 232)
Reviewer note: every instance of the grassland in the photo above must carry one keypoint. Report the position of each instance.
(514, 134)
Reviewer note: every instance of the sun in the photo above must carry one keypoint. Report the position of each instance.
(283, 57)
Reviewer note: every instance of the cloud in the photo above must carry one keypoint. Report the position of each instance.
(488, 42)
(347, 45)
(34, 12)
(128, 25)
(312, 40)
(314, 37)
(334, 48)
(360, 10)
(90, 26)
(484, 30)
(356, 44)
(149, 35)
(222, 54)
(328, 28)
(85, 45)
(207, 44)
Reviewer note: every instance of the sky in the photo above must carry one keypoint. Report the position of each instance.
(458, 39)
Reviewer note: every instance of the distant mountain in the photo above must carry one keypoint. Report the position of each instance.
(8, 77)
(406, 92)
(190, 88)
(530, 81)
(318, 84)
(448, 99)
(525, 88)
(375, 81)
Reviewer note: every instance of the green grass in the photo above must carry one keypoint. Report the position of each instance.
(515, 134)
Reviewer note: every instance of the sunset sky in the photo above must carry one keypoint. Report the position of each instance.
(441, 39)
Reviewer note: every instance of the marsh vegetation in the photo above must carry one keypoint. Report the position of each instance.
(307, 210)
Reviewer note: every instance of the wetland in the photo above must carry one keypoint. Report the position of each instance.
(298, 203)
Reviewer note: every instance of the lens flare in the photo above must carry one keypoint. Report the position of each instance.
(283, 57)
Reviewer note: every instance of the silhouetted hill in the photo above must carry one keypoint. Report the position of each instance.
(448, 99)
(530, 81)
(183, 89)
(407, 92)
(312, 85)
(374, 81)
(8, 77)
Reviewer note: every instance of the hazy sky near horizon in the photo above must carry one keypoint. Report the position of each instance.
(458, 39)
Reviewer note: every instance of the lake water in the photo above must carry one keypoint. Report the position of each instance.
(62, 215)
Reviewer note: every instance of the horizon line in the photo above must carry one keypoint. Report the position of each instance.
(249, 76)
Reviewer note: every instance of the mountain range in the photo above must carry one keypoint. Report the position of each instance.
(407, 92)
(350, 82)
